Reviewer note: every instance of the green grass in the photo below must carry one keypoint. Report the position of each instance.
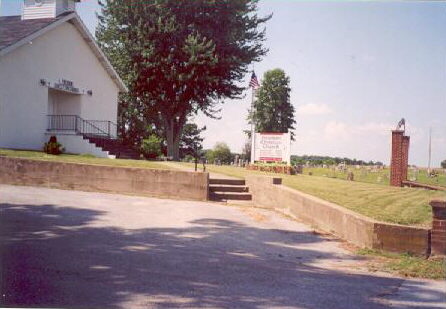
(406, 206)
(406, 265)
(380, 176)
(82, 159)
(423, 177)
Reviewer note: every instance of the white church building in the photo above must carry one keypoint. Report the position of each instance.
(55, 80)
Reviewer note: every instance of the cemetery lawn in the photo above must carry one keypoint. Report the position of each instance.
(82, 159)
(406, 206)
(380, 176)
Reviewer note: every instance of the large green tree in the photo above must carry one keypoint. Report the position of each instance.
(273, 111)
(180, 57)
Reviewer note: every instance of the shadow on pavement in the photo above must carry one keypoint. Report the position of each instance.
(55, 256)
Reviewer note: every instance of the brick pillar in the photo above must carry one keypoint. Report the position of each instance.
(438, 236)
(405, 157)
(396, 162)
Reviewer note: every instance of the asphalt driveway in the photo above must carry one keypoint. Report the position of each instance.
(91, 250)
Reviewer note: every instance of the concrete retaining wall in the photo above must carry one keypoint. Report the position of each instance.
(138, 181)
(355, 228)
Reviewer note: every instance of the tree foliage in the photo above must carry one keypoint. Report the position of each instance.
(273, 110)
(327, 160)
(443, 164)
(179, 57)
(152, 147)
(191, 142)
(221, 152)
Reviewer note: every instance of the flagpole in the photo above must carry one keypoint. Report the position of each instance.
(252, 126)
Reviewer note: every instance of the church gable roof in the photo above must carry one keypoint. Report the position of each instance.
(15, 32)
(13, 28)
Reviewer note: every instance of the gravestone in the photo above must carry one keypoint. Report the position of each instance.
(350, 176)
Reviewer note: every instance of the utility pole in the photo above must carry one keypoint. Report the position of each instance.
(430, 152)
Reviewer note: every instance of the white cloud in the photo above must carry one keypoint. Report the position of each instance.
(377, 128)
(337, 130)
(314, 109)
(439, 140)
(371, 141)
(366, 141)
(368, 58)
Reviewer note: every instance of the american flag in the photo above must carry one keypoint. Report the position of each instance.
(254, 83)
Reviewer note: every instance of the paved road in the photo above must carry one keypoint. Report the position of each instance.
(77, 249)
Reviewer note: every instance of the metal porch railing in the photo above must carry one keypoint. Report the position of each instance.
(74, 123)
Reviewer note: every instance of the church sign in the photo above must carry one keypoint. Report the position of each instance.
(272, 147)
(67, 86)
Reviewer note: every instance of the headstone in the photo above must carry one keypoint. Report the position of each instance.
(236, 159)
(299, 169)
(350, 176)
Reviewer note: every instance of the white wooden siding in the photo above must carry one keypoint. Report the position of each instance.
(32, 11)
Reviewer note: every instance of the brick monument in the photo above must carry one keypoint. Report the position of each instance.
(400, 155)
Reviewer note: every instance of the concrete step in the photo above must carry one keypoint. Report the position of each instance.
(228, 188)
(114, 147)
(230, 182)
(224, 196)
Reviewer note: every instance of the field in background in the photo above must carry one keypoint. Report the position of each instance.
(84, 159)
(407, 206)
(378, 176)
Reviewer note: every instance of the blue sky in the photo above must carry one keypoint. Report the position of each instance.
(356, 69)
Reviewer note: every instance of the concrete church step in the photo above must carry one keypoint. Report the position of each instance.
(225, 196)
(228, 188)
(114, 147)
(230, 182)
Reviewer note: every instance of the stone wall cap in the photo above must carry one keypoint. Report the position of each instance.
(438, 203)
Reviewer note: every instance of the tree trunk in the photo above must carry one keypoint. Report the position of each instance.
(174, 130)
(169, 130)
(176, 145)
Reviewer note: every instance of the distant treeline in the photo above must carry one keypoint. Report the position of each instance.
(320, 160)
